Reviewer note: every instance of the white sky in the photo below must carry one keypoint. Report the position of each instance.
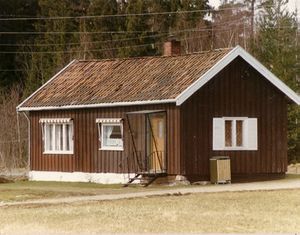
(292, 5)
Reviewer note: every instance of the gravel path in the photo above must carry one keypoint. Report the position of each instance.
(255, 186)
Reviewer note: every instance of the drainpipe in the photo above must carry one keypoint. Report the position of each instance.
(19, 135)
(28, 130)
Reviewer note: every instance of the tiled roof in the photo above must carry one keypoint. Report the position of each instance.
(124, 80)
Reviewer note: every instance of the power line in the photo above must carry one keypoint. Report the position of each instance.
(76, 51)
(85, 32)
(215, 30)
(121, 39)
(89, 32)
(106, 49)
(99, 32)
(82, 43)
(123, 15)
(73, 32)
(118, 15)
(135, 46)
(11, 70)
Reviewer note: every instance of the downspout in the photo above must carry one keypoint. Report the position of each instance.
(28, 130)
(19, 135)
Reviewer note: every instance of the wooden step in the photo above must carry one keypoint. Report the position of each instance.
(145, 178)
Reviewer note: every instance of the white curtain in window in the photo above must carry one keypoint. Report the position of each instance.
(48, 137)
(71, 140)
(57, 136)
(109, 130)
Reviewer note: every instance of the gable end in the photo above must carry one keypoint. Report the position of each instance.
(237, 51)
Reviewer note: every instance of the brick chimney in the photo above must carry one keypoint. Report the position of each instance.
(172, 47)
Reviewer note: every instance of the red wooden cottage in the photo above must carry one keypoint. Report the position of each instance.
(106, 120)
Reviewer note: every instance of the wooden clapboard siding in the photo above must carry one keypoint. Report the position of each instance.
(237, 91)
(87, 157)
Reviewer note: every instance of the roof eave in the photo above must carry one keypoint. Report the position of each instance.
(100, 105)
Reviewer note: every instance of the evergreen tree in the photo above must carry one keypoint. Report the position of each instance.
(10, 73)
(144, 34)
(56, 45)
(276, 46)
(103, 41)
(138, 28)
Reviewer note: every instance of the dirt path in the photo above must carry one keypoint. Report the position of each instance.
(266, 185)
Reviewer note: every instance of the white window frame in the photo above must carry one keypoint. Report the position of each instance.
(233, 133)
(56, 122)
(106, 122)
(221, 146)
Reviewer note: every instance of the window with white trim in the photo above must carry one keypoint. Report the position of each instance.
(110, 133)
(235, 133)
(57, 135)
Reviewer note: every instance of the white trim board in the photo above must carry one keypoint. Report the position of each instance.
(100, 178)
(115, 104)
(188, 92)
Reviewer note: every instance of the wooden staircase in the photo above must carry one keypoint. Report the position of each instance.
(144, 178)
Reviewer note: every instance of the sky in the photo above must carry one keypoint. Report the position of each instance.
(292, 5)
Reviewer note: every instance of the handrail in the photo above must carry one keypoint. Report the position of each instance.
(134, 147)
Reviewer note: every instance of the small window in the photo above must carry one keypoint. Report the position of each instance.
(233, 133)
(239, 128)
(110, 134)
(228, 133)
(57, 136)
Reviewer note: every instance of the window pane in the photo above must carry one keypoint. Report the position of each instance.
(71, 140)
(160, 129)
(50, 130)
(112, 136)
(67, 136)
(47, 137)
(116, 133)
(239, 133)
(58, 137)
(228, 133)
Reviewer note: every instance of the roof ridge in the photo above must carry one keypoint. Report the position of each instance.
(156, 56)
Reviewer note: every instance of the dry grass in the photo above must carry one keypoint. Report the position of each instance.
(264, 211)
(28, 190)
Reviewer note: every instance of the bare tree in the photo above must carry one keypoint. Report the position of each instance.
(13, 134)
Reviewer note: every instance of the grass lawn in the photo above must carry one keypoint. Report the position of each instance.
(28, 190)
(227, 212)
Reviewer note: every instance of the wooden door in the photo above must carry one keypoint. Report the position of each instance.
(156, 142)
